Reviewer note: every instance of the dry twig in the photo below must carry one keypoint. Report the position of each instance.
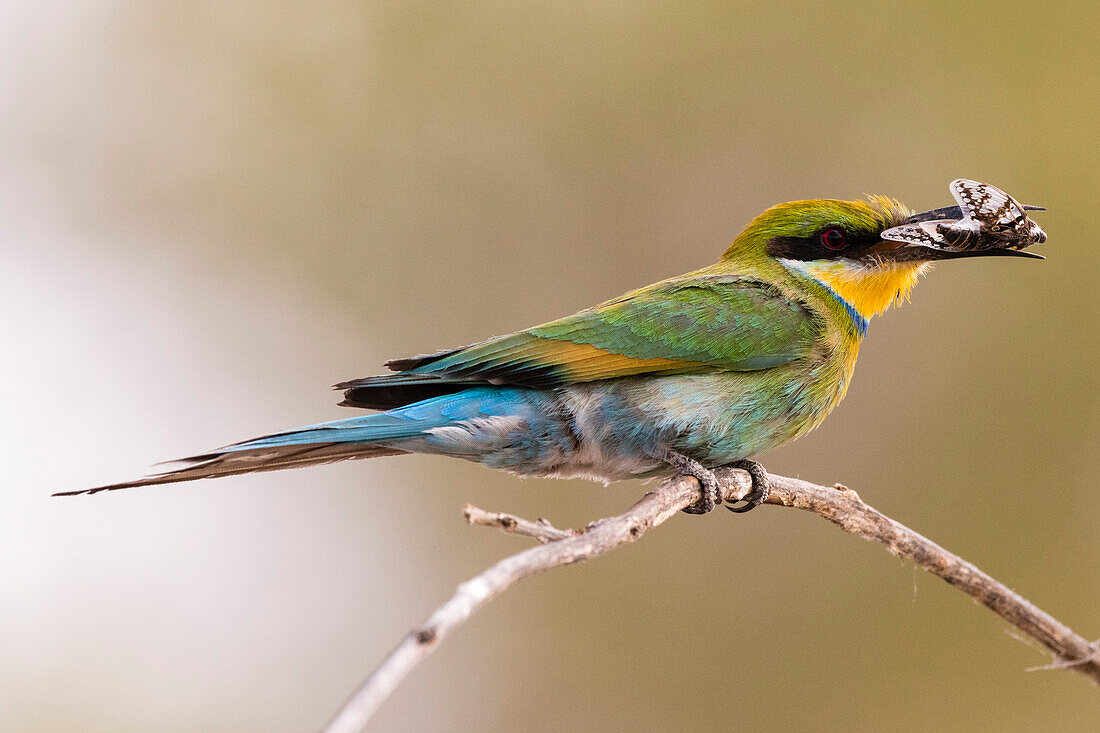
(839, 505)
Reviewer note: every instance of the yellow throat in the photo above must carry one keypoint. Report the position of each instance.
(869, 290)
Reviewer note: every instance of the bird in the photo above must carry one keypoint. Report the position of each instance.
(706, 369)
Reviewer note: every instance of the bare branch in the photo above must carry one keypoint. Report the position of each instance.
(839, 505)
(540, 529)
(844, 508)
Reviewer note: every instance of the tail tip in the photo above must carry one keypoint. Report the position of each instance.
(82, 492)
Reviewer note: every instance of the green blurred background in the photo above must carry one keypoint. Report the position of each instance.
(210, 212)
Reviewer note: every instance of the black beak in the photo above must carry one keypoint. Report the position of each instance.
(987, 222)
(919, 253)
(953, 212)
(949, 233)
(939, 254)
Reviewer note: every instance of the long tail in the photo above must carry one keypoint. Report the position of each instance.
(340, 440)
(502, 427)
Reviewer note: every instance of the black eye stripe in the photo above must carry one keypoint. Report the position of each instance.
(816, 247)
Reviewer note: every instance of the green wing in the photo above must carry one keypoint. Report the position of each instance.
(698, 324)
(688, 326)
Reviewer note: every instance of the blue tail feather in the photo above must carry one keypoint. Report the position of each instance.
(362, 429)
(477, 424)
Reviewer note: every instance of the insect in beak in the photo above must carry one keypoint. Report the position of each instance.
(986, 222)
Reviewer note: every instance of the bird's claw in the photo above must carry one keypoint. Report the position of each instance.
(761, 487)
(710, 497)
(708, 482)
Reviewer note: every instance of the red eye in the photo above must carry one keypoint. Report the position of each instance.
(833, 238)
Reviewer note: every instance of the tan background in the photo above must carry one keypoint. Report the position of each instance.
(210, 212)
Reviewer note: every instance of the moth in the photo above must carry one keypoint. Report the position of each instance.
(986, 218)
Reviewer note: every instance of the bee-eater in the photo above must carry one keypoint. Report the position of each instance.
(694, 372)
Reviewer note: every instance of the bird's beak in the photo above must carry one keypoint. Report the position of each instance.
(978, 245)
(953, 212)
(928, 254)
(891, 251)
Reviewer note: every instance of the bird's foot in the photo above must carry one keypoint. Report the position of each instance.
(707, 481)
(761, 486)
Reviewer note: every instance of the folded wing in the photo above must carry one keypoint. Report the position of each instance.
(688, 326)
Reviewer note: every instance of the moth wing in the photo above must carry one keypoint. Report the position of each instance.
(925, 234)
(990, 206)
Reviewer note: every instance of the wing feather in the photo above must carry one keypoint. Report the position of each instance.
(692, 325)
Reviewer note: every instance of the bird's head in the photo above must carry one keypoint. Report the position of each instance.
(841, 245)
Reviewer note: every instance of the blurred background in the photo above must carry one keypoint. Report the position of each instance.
(210, 212)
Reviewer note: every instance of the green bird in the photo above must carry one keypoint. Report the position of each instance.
(694, 372)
